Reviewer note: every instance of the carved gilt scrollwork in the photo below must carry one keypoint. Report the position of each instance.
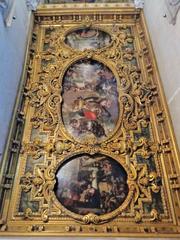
(134, 98)
(137, 144)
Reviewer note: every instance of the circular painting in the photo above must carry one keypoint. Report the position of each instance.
(91, 184)
(90, 105)
(87, 38)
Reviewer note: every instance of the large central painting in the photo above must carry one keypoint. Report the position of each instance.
(90, 100)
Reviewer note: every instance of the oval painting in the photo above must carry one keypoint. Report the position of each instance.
(90, 105)
(91, 184)
(87, 38)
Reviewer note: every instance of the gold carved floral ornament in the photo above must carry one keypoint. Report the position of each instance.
(97, 154)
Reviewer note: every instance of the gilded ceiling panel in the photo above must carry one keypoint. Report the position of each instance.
(93, 151)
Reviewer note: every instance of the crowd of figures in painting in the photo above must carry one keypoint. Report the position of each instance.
(90, 100)
(91, 184)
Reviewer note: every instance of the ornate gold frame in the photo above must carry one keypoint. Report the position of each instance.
(142, 142)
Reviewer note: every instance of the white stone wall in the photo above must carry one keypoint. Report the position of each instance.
(166, 43)
(12, 51)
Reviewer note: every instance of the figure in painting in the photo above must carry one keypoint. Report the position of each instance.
(90, 100)
(84, 126)
(88, 38)
(96, 185)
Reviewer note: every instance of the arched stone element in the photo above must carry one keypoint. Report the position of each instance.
(32, 4)
(173, 7)
(7, 7)
(139, 3)
(3, 4)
